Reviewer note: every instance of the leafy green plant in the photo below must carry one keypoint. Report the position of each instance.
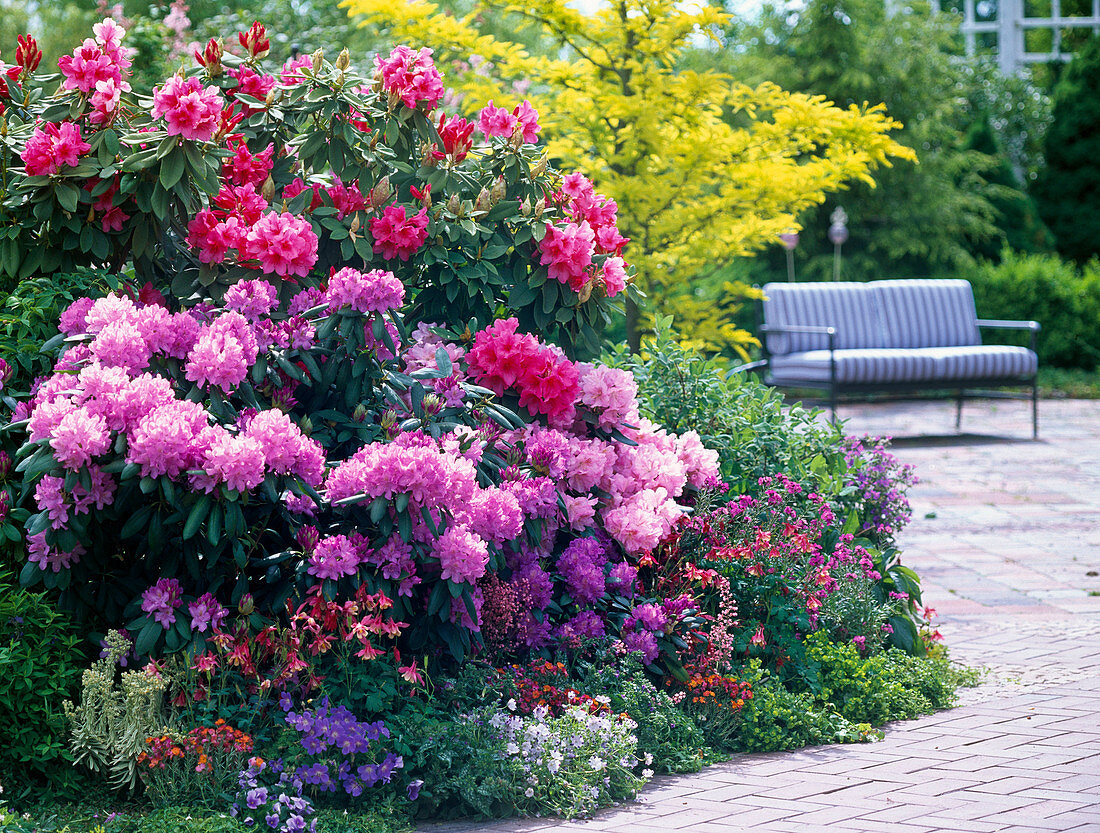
(777, 719)
(113, 718)
(1062, 297)
(886, 686)
(28, 318)
(40, 666)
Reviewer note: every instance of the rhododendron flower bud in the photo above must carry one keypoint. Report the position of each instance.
(381, 192)
(343, 60)
(246, 605)
(5, 373)
(454, 205)
(255, 40)
(498, 191)
(211, 57)
(318, 59)
(483, 202)
(540, 166)
(540, 207)
(456, 134)
(4, 505)
(5, 466)
(27, 54)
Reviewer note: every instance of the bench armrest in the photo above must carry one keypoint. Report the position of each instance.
(797, 328)
(1009, 325)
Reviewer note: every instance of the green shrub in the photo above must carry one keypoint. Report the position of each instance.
(1063, 298)
(40, 667)
(778, 719)
(882, 687)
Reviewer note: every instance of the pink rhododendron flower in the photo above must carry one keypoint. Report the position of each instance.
(242, 201)
(247, 168)
(568, 252)
(373, 291)
(291, 73)
(236, 461)
(170, 439)
(47, 558)
(53, 146)
(411, 77)
(206, 613)
(78, 437)
(496, 121)
(213, 237)
(528, 118)
(253, 84)
(398, 235)
(334, 557)
(190, 110)
(120, 344)
(614, 275)
(462, 555)
(252, 299)
(161, 600)
(611, 393)
(455, 132)
(284, 244)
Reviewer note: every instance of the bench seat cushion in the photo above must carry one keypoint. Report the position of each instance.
(891, 365)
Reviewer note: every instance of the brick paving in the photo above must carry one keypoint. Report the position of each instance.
(1006, 537)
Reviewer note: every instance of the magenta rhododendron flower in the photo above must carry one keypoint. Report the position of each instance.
(53, 146)
(223, 353)
(373, 291)
(462, 555)
(47, 558)
(161, 600)
(78, 437)
(528, 118)
(284, 244)
(247, 168)
(398, 235)
(411, 77)
(568, 252)
(190, 110)
(334, 557)
(496, 121)
(206, 613)
(252, 299)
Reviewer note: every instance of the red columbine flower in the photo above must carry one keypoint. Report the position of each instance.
(255, 40)
(28, 55)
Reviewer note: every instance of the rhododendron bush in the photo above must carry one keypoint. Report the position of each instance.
(235, 167)
(306, 403)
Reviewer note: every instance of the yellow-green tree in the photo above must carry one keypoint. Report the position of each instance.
(704, 169)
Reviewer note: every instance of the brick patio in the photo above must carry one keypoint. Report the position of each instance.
(1006, 536)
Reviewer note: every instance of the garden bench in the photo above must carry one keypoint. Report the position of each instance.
(891, 336)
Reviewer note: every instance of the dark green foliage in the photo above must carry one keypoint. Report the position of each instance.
(40, 667)
(1018, 221)
(1065, 300)
(1067, 187)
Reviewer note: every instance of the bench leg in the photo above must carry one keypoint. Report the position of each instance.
(958, 410)
(1035, 409)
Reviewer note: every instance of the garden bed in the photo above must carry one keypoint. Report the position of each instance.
(326, 510)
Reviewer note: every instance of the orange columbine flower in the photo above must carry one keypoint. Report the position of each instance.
(755, 570)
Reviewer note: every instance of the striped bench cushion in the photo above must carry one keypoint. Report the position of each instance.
(848, 307)
(928, 364)
(927, 313)
(982, 362)
(867, 366)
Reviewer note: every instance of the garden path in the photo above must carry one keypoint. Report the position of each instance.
(1006, 536)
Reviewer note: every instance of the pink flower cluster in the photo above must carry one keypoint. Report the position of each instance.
(547, 382)
(52, 147)
(570, 250)
(189, 109)
(99, 68)
(410, 76)
(496, 121)
(441, 482)
(104, 390)
(398, 235)
(373, 291)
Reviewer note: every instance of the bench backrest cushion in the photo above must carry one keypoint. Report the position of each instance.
(850, 308)
(927, 313)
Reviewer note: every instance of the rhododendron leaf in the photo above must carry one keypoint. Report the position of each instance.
(147, 637)
(67, 197)
(214, 524)
(378, 508)
(196, 517)
(135, 524)
(437, 599)
(171, 168)
(30, 575)
(426, 514)
(404, 527)
(167, 145)
(401, 502)
(38, 524)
